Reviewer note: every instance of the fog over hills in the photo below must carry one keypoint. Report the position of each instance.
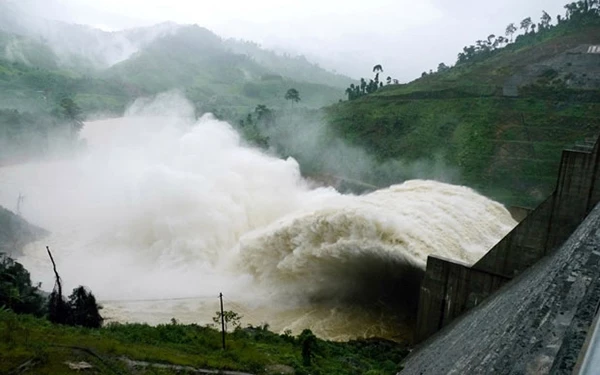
(87, 48)
(407, 37)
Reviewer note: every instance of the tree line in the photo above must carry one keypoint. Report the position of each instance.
(18, 294)
(578, 13)
(364, 88)
(25, 134)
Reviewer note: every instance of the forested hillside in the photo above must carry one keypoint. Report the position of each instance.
(45, 64)
(501, 115)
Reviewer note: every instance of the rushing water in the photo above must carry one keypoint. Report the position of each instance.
(158, 215)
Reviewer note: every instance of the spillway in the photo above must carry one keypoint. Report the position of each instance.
(158, 214)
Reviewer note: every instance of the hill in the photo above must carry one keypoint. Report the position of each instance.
(44, 62)
(501, 116)
(198, 61)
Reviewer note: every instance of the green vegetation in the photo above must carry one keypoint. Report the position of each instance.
(365, 88)
(44, 348)
(81, 309)
(501, 116)
(31, 344)
(45, 95)
(19, 295)
(292, 95)
(16, 291)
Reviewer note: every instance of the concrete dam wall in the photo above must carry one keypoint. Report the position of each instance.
(536, 324)
(449, 288)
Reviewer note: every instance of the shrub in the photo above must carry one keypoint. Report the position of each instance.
(80, 310)
(16, 291)
(84, 309)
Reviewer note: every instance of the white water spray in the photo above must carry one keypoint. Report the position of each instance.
(159, 208)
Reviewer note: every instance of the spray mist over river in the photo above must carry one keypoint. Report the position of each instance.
(158, 215)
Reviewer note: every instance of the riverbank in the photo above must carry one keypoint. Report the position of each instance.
(30, 345)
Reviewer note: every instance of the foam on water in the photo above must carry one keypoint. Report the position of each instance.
(158, 208)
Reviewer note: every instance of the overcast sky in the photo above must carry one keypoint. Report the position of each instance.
(407, 37)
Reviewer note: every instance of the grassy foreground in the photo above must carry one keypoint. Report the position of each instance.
(30, 345)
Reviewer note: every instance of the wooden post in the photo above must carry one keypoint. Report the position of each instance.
(222, 321)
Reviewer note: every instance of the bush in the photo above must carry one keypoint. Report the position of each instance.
(81, 309)
(16, 291)
(84, 309)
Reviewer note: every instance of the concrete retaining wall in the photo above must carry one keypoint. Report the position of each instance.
(450, 288)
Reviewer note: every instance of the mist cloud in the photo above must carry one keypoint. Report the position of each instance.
(407, 37)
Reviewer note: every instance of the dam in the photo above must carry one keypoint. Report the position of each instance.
(528, 305)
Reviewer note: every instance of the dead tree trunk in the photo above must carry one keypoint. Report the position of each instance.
(55, 273)
(58, 309)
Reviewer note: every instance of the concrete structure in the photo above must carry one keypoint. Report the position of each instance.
(535, 324)
(449, 288)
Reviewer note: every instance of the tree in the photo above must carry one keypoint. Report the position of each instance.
(58, 308)
(389, 80)
(293, 95)
(263, 114)
(308, 340)
(72, 113)
(467, 54)
(545, 20)
(84, 311)
(16, 291)
(510, 30)
(582, 11)
(81, 310)
(442, 67)
(230, 317)
(369, 87)
(483, 45)
(571, 9)
(525, 24)
(377, 68)
(352, 92)
(363, 85)
(497, 42)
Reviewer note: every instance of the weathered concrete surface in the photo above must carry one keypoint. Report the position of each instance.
(535, 324)
(519, 213)
(449, 289)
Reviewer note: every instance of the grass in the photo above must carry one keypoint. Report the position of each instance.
(45, 347)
